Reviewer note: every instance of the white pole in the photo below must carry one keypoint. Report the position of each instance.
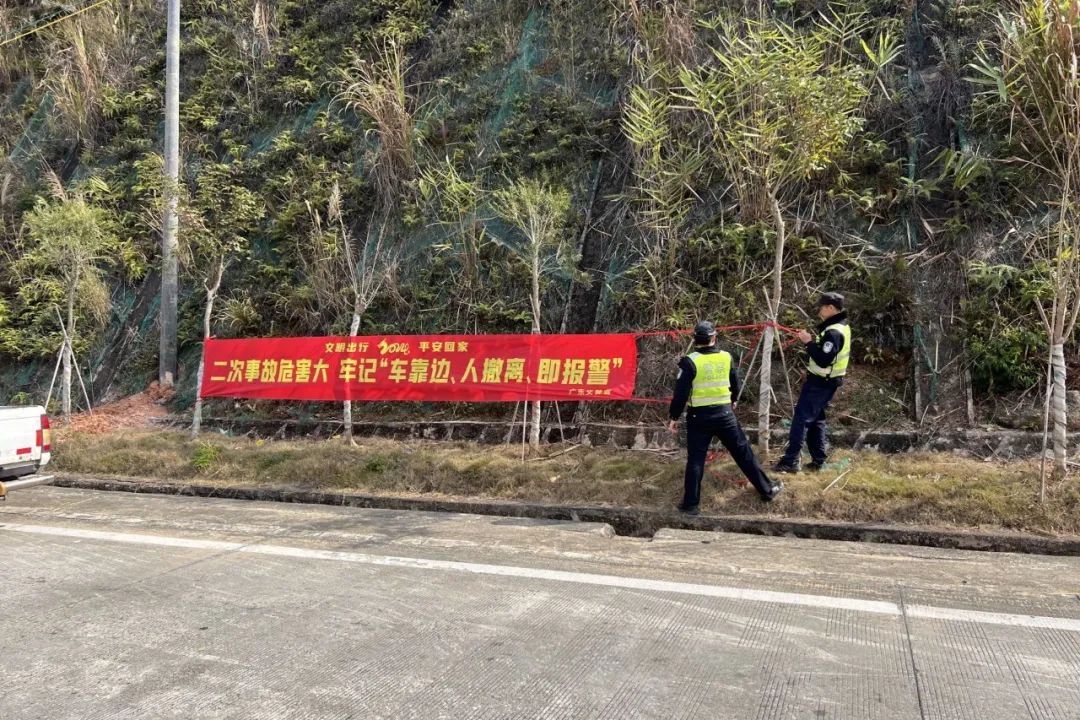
(169, 262)
(56, 371)
(24, 483)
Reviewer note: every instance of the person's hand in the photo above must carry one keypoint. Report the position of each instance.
(673, 427)
(804, 336)
(734, 406)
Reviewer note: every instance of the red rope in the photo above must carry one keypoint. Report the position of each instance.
(714, 457)
(760, 327)
(674, 334)
(757, 341)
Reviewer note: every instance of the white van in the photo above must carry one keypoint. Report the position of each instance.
(25, 441)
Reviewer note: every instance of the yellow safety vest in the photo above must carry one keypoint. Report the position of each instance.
(712, 381)
(840, 362)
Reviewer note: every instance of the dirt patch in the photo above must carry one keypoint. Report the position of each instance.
(934, 489)
(136, 411)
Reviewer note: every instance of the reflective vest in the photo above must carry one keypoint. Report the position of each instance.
(712, 380)
(840, 362)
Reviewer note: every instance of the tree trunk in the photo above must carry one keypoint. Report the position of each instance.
(196, 417)
(597, 246)
(582, 244)
(346, 409)
(534, 434)
(1046, 426)
(169, 260)
(916, 381)
(1057, 362)
(208, 313)
(65, 384)
(970, 397)
(765, 397)
(534, 429)
(765, 390)
(600, 240)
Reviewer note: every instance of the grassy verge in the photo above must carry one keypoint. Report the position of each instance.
(927, 489)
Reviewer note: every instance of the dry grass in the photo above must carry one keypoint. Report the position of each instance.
(926, 489)
(379, 92)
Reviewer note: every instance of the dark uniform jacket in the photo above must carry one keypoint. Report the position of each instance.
(825, 352)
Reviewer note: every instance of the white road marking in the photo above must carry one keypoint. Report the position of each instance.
(664, 586)
(931, 612)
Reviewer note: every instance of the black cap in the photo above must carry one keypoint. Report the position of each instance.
(704, 332)
(832, 298)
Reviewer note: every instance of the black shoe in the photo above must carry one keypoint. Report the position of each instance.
(777, 488)
(689, 510)
(787, 468)
(815, 467)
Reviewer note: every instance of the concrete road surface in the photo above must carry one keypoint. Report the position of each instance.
(127, 606)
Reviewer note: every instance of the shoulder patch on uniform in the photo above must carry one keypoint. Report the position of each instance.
(828, 346)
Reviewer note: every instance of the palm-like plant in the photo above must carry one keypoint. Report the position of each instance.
(70, 242)
(538, 211)
(781, 106)
(1030, 74)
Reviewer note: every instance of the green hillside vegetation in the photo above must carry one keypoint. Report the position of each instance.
(718, 159)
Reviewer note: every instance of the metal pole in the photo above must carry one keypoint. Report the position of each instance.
(5, 487)
(169, 267)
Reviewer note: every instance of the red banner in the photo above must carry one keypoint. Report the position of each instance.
(461, 368)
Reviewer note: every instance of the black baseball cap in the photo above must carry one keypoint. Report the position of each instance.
(832, 298)
(704, 331)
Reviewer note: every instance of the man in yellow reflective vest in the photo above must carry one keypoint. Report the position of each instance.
(829, 351)
(708, 381)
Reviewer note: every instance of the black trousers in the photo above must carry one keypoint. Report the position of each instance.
(809, 420)
(701, 427)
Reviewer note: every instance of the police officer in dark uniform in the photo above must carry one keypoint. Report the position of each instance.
(829, 350)
(707, 382)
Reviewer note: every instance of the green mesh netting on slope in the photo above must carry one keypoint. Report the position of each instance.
(24, 153)
(16, 96)
(300, 125)
(518, 74)
(123, 302)
(23, 378)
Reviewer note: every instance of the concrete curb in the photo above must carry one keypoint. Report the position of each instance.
(625, 521)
